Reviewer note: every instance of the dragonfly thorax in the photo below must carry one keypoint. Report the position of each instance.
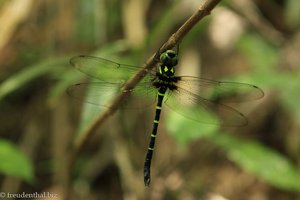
(165, 81)
(166, 71)
(168, 61)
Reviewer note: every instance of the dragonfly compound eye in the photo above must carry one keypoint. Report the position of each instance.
(171, 53)
(169, 58)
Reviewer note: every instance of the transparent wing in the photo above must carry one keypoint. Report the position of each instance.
(203, 110)
(103, 69)
(102, 93)
(220, 91)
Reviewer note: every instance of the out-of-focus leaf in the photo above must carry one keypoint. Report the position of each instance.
(261, 161)
(14, 162)
(292, 13)
(19, 79)
(162, 26)
(288, 92)
(264, 58)
(253, 157)
(73, 76)
(85, 22)
(184, 130)
(262, 55)
(90, 112)
(65, 80)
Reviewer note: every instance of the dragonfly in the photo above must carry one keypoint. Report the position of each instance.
(193, 97)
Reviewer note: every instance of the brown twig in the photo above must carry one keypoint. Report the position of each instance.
(203, 11)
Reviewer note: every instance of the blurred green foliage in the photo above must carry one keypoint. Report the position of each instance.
(14, 162)
(254, 157)
(264, 58)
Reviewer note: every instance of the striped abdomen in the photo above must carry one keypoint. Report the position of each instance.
(147, 165)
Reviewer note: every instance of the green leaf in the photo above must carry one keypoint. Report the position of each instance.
(184, 130)
(64, 81)
(90, 112)
(259, 160)
(264, 162)
(261, 54)
(71, 76)
(292, 12)
(288, 92)
(14, 162)
(21, 78)
(263, 58)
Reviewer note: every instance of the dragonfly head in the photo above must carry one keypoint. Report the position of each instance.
(169, 58)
